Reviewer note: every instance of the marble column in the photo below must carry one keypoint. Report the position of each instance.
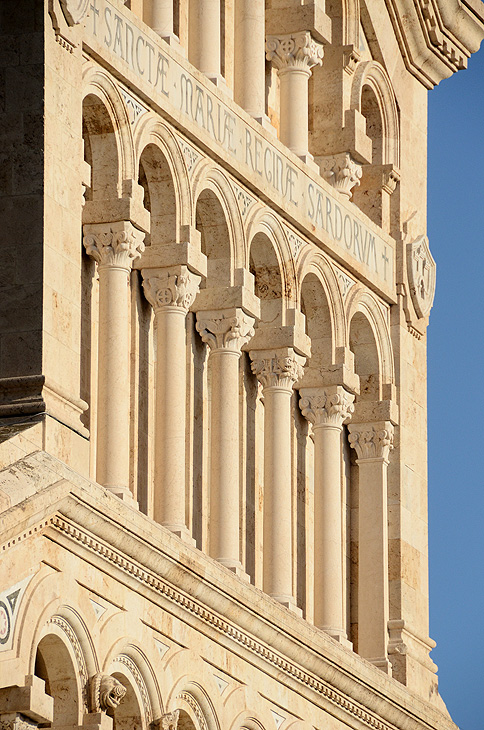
(373, 442)
(294, 55)
(114, 246)
(225, 332)
(327, 409)
(249, 79)
(205, 46)
(171, 293)
(278, 370)
(162, 19)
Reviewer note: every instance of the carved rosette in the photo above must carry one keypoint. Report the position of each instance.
(421, 270)
(74, 10)
(371, 440)
(114, 244)
(169, 720)
(326, 406)
(225, 330)
(176, 287)
(294, 50)
(342, 172)
(106, 692)
(274, 370)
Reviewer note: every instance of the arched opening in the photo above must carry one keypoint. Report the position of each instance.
(265, 268)
(54, 665)
(212, 224)
(156, 179)
(374, 126)
(364, 347)
(314, 305)
(185, 722)
(100, 150)
(128, 714)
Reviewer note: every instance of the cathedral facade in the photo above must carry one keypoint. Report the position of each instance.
(215, 290)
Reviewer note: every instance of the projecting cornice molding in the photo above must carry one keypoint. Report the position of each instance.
(436, 37)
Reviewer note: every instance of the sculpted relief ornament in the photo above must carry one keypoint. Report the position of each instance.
(294, 50)
(325, 407)
(106, 693)
(176, 287)
(229, 330)
(75, 10)
(371, 440)
(421, 275)
(342, 172)
(277, 371)
(114, 244)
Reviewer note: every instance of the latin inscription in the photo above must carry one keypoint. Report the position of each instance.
(177, 90)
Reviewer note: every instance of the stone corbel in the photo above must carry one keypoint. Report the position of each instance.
(187, 252)
(23, 708)
(292, 19)
(106, 693)
(129, 207)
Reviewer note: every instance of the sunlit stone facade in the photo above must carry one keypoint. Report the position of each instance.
(216, 284)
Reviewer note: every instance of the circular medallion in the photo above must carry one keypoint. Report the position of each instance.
(4, 623)
(75, 10)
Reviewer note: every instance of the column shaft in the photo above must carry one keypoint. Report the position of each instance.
(162, 17)
(170, 419)
(294, 109)
(205, 37)
(112, 467)
(249, 81)
(278, 494)
(224, 453)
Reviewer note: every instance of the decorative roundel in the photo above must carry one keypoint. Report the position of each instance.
(75, 10)
(4, 623)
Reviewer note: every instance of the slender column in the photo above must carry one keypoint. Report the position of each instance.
(205, 49)
(171, 293)
(249, 81)
(294, 55)
(327, 409)
(114, 246)
(225, 332)
(278, 370)
(162, 19)
(373, 442)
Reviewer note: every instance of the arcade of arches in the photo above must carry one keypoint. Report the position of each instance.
(213, 364)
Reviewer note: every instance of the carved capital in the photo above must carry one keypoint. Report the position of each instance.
(169, 720)
(277, 369)
(175, 287)
(326, 406)
(106, 692)
(16, 721)
(371, 440)
(228, 329)
(342, 172)
(114, 244)
(294, 50)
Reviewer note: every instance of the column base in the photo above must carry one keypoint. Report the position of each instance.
(265, 123)
(309, 160)
(219, 81)
(289, 603)
(236, 567)
(340, 636)
(172, 40)
(382, 663)
(180, 531)
(124, 494)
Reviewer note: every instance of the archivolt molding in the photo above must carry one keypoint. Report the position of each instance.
(127, 663)
(152, 130)
(211, 177)
(264, 221)
(98, 82)
(201, 708)
(314, 262)
(361, 300)
(372, 74)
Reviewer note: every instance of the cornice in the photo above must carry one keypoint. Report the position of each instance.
(331, 676)
(436, 37)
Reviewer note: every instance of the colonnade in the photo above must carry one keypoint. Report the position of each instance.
(278, 356)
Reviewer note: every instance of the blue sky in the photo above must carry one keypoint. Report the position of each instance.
(456, 384)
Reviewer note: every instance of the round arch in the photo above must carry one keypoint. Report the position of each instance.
(372, 75)
(152, 132)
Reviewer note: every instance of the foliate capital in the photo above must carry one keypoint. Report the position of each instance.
(114, 244)
(169, 720)
(326, 406)
(294, 50)
(175, 287)
(277, 369)
(228, 329)
(342, 172)
(371, 440)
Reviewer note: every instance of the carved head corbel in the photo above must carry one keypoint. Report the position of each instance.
(106, 693)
